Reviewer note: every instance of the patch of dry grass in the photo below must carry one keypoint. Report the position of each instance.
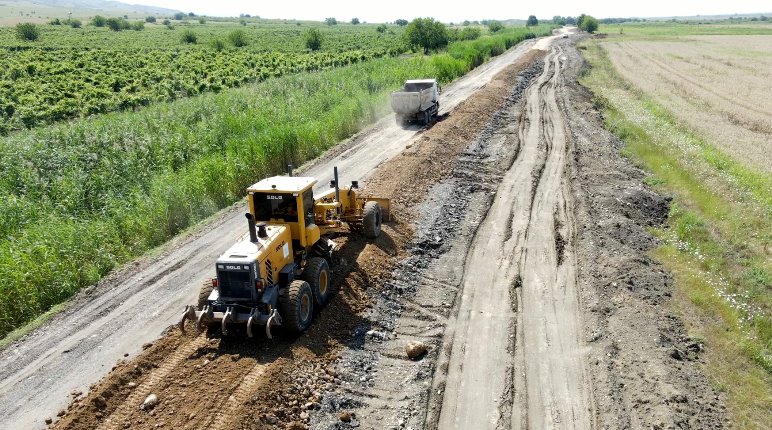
(718, 86)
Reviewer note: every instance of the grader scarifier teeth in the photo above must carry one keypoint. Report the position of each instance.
(274, 319)
(203, 318)
(252, 317)
(228, 317)
(189, 313)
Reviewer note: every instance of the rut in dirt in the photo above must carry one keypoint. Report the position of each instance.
(515, 357)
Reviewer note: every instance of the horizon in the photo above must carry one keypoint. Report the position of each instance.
(306, 10)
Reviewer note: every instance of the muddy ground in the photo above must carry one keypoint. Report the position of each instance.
(637, 368)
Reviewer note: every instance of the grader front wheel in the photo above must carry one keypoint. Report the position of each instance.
(371, 220)
(297, 306)
(317, 274)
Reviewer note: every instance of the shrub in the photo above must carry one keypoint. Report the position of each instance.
(179, 16)
(381, 28)
(238, 38)
(138, 25)
(150, 19)
(166, 22)
(188, 36)
(98, 21)
(27, 31)
(243, 22)
(55, 21)
(589, 24)
(355, 21)
(118, 24)
(202, 21)
(331, 21)
(217, 44)
(401, 22)
(74, 23)
(313, 39)
(495, 26)
(470, 33)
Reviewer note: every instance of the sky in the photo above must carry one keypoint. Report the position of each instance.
(457, 11)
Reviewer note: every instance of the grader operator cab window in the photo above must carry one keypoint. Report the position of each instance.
(277, 206)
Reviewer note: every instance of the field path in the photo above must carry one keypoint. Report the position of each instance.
(518, 320)
(134, 305)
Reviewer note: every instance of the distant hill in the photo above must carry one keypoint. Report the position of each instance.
(13, 11)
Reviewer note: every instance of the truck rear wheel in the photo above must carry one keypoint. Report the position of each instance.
(371, 220)
(296, 303)
(317, 274)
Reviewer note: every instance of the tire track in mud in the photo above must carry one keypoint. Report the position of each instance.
(116, 419)
(541, 383)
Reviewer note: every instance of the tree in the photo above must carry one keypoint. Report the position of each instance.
(98, 21)
(27, 31)
(381, 28)
(238, 38)
(532, 21)
(401, 22)
(589, 24)
(495, 26)
(331, 21)
(313, 39)
(179, 16)
(355, 21)
(202, 21)
(579, 20)
(426, 33)
(150, 19)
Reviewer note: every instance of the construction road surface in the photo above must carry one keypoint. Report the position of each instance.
(133, 306)
(520, 268)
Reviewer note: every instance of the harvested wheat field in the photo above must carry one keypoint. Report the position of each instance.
(718, 86)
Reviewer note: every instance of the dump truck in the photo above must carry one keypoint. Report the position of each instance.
(279, 271)
(418, 101)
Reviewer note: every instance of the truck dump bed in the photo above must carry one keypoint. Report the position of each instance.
(417, 96)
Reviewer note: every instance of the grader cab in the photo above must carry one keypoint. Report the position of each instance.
(278, 272)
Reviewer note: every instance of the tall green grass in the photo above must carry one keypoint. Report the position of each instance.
(78, 199)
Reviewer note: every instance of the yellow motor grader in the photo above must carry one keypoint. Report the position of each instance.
(278, 272)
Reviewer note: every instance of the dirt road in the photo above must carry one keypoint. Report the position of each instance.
(134, 305)
(521, 267)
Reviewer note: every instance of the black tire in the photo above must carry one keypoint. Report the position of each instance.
(371, 220)
(317, 274)
(203, 294)
(427, 117)
(296, 304)
(400, 120)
